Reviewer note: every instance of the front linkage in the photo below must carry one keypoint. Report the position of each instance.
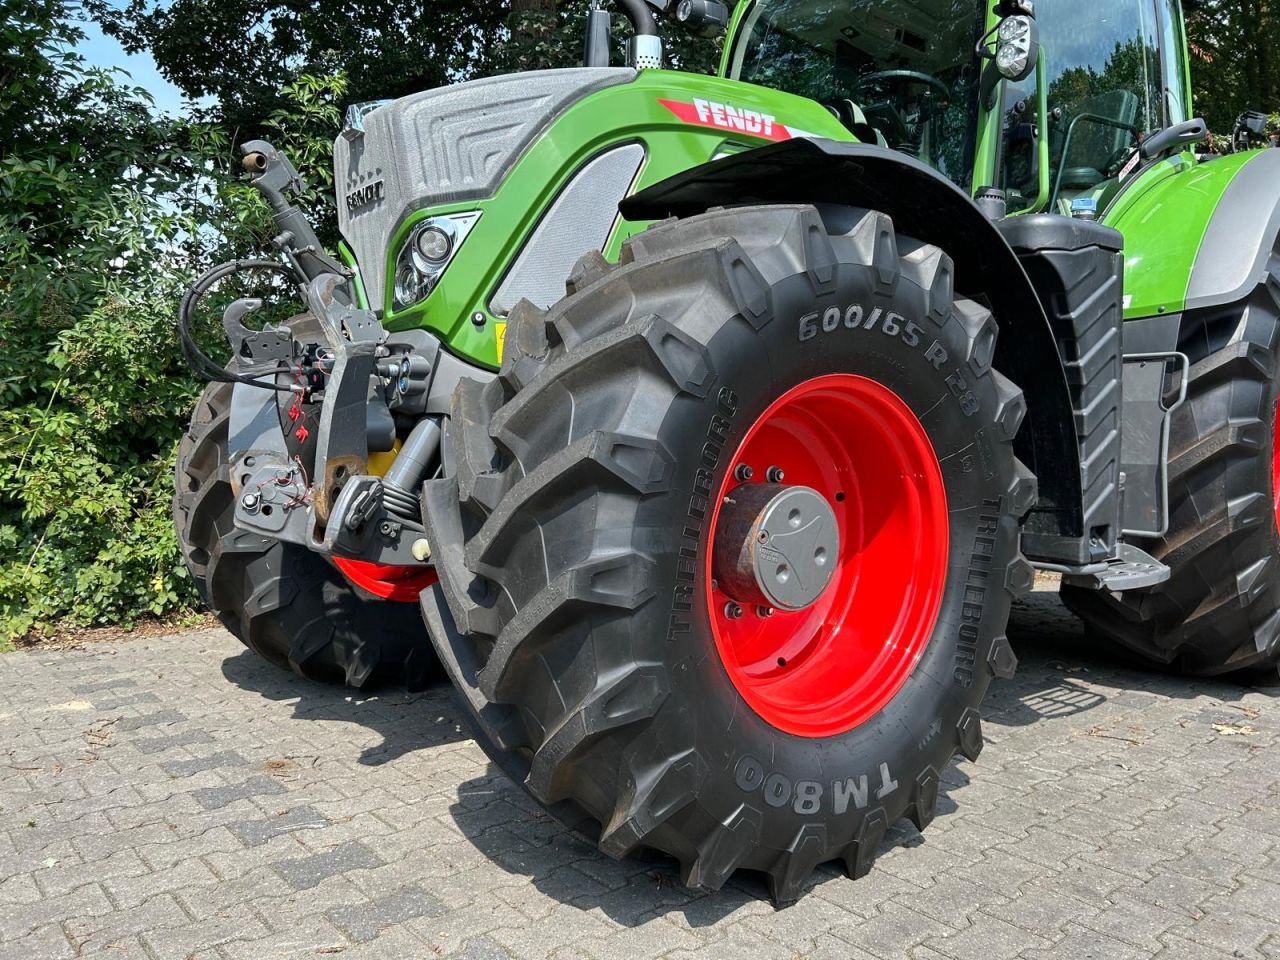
(313, 485)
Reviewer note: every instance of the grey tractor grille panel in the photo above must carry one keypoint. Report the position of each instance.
(578, 221)
(441, 146)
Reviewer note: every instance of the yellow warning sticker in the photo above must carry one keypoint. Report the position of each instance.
(500, 337)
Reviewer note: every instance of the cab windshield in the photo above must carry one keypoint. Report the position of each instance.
(902, 73)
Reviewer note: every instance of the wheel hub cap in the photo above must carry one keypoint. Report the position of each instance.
(776, 546)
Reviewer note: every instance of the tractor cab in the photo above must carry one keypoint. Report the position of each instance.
(917, 76)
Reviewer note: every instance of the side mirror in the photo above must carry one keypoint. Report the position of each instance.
(706, 18)
(1017, 47)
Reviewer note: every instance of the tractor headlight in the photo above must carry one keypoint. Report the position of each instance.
(435, 242)
(409, 285)
(1017, 47)
(427, 253)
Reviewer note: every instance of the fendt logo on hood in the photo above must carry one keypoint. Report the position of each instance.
(365, 195)
(724, 116)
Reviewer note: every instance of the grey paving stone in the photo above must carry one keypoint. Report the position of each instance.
(182, 942)
(366, 921)
(892, 932)
(169, 741)
(187, 768)
(97, 686)
(308, 871)
(988, 938)
(482, 948)
(254, 832)
(383, 832)
(106, 704)
(157, 719)
(46, 943)
(211, 798)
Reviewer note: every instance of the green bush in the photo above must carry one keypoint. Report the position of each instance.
(106, 213)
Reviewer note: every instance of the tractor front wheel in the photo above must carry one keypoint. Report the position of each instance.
(728, 555)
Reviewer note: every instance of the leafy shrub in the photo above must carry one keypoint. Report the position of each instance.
(106, 213)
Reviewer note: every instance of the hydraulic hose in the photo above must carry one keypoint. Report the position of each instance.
(201, 363)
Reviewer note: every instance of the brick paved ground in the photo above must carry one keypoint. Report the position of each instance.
(177, 798)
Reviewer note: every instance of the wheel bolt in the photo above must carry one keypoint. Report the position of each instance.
(775, 475)
(744, 472)
(765, 612)
(732, 611)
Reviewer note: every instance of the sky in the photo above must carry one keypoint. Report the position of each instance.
(100, 50)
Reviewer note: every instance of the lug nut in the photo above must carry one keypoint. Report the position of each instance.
(765, 612)
(732, 611)
(744, 472)
(775, 475)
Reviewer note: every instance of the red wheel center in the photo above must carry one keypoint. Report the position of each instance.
(397, 584)
(825, 669)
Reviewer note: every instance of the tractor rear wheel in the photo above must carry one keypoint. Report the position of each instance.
(1220, 610)
(729, 551)
(284, 602)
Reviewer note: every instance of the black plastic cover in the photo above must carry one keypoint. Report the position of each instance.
(1077, 268)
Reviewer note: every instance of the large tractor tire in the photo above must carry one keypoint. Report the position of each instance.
(607, 606)
(1220, 610)
(283, 601)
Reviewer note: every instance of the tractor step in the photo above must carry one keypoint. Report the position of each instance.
(1133, 569)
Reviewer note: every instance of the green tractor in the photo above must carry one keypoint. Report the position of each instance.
(714, 423)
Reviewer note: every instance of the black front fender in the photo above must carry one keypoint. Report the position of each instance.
(928, 207)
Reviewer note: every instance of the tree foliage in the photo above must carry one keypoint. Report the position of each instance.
(1235, 48)
(542, 34)
(244, 53)
(105, 214)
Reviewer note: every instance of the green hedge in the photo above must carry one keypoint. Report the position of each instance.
(106, 213)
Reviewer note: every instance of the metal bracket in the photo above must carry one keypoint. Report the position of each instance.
(255, 423)
(274, 500)
(360, 528)
(342, 441)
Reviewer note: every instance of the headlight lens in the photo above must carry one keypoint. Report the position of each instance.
(1012, 28)
(435, 242)
(408, 285)
(426, 255)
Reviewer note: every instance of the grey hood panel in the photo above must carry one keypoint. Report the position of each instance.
(442, 146)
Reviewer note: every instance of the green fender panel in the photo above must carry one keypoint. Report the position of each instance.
(1197, 234)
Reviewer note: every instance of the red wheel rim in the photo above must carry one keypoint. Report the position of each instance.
(398, 584)
(824, 670)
